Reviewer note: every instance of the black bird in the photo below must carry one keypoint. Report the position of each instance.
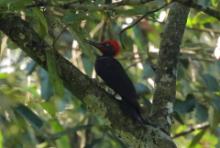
(113, 74)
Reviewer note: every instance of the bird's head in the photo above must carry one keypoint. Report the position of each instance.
(107, 48)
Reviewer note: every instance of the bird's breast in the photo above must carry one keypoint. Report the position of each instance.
(104, 64)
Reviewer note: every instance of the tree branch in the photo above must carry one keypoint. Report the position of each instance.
(202, 126)
(95, 99)
(165, 80)
(142, 17)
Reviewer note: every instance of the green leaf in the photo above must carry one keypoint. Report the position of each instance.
(132, 11)
(3, 75)
(49, 107)
(30, 67)
(142, 89)
(53, 74)
(45, 85)
(210, 82)
(200, 20)
(201, 113)
(61, 140)
(42, 22)
(184, 86)
(177, 116)
(30, 116)
(94, 143)
(216, 103)
(204, 3)
(4, 3)
(214, 118)
(15, 4)
(215, 3)
(197, 138)
(73, 17)
(218, 144)
(1, 139)
(183, 107)
(88, 66)
(139, 38)
(148, 71)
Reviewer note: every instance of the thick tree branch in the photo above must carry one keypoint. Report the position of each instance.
(94, 98)
(165, 91)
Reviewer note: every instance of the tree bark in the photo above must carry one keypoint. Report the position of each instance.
(166, 72)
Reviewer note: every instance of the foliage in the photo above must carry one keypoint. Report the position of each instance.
(35, 109)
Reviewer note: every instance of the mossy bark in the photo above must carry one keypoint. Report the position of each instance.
(166, 72)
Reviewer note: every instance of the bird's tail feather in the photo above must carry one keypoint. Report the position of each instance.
(134, 113)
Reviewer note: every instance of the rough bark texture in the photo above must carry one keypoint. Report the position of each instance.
(96, 99)
(165, 91)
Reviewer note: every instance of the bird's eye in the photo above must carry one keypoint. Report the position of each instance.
(107, 45)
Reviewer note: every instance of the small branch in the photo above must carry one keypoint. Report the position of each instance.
(56, 38)
(202, 126)
(142, 17)
(138, 20)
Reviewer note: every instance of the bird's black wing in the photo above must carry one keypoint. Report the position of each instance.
(112, 72)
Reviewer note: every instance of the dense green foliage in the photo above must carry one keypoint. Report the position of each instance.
(35, 108)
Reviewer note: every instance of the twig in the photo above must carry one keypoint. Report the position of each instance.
(58, 36)
(139, 19)
(202, 126)
(142, 17)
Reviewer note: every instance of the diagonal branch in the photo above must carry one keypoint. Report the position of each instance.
(139, 19)
(142, 17)
(202, 126)
(95, 99)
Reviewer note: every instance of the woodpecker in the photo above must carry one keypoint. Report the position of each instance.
(113, 74)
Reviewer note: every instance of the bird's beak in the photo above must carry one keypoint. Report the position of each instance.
(95, 44)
